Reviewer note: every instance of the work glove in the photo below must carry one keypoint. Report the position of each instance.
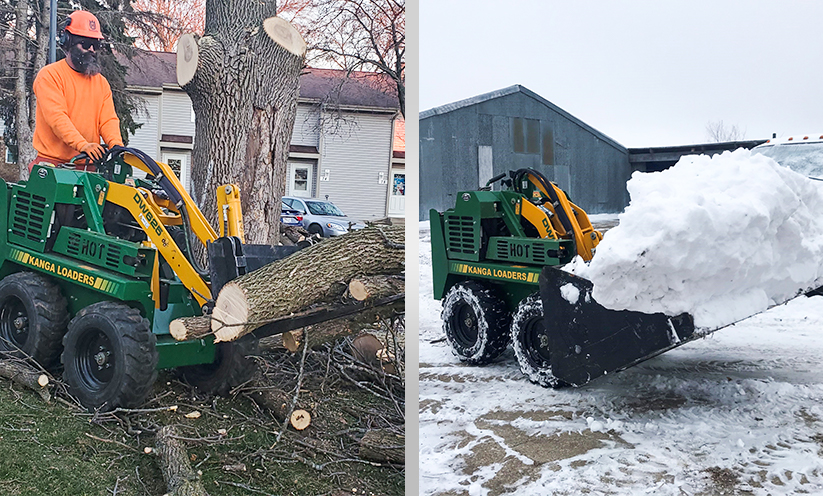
(94, 150)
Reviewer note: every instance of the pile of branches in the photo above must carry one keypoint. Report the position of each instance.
(320, 381)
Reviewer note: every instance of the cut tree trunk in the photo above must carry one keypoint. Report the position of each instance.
(278, 402)
(242, 77)
(363, 288)
(181, 479)
(382, 445)
(304, 279)
(190, 327)
(332, 330)
(26, 376)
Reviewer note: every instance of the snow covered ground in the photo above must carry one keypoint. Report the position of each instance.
(739, 412)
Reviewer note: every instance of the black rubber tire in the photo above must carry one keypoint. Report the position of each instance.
(316, 229)
(110, 356)
(232, 367)
(530, 342)
(33, 317)
(476, 322)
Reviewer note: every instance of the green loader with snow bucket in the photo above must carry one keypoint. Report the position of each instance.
(496, 264)
(95, 265)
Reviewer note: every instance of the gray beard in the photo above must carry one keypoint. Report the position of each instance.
(84, 62)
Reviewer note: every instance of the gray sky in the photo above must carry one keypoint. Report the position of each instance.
(646, 73)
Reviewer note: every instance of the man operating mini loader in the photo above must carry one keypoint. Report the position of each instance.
(74, 102)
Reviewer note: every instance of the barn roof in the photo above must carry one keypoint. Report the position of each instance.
(468, 102)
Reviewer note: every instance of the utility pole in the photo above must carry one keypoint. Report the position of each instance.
(53, 31)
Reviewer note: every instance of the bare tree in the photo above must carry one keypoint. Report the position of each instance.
(361, 35)
(718, 132)
(165, 22)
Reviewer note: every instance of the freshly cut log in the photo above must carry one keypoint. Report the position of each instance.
(181, 479)
(305, 278)
(364, 287)
(26, 376)
(278, 402)
(381, 445)
(332, 330)
(190, 327)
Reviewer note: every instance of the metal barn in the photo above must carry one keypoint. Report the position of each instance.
(463, 144)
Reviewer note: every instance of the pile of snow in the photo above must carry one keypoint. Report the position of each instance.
(721, 238)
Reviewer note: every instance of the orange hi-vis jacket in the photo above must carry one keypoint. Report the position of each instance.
(73, 110)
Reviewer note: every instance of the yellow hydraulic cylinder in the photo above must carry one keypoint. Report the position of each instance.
(229, 211)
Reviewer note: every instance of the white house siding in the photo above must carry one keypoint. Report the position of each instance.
(146, 138)
(306, 126)
(177, 111)
(355, 157)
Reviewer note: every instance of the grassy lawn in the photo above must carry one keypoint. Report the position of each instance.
(57, 449)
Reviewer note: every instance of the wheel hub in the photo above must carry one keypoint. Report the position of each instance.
(102, 358)
(537, 342)
(20, 323)
(95, 361)
(465, 326)
(14, 322)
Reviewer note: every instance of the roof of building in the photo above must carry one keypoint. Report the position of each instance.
(359, 89)
(451, 107)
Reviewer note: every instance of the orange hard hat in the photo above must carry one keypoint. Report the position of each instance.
(84, 23)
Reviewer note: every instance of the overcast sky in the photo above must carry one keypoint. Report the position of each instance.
(646, 73)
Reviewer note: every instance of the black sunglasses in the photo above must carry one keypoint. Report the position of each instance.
(88, 43)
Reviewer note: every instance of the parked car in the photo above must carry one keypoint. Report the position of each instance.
(322, 216)
(290, 217)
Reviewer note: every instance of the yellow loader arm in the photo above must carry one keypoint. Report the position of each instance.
(554, 216)
(154, 213)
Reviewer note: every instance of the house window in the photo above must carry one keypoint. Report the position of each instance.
(10, 157)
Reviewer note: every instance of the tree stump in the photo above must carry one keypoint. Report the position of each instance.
(304, 278)
(181, 479)
(242, 77)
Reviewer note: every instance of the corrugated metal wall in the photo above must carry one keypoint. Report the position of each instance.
(355, 157)
(147, 138)
(176, 118)
(523, 132)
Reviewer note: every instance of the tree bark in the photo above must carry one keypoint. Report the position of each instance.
(26, 376)
(332, 330)
(25, 130)
(382, 445)
(244, 94)
(362, 288)
(305, 278)
(181, 479)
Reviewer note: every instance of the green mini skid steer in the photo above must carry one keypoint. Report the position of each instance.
(95, 265)
(496, 259)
